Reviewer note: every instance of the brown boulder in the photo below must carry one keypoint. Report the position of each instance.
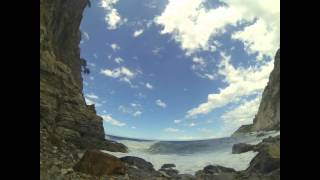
(97, 163)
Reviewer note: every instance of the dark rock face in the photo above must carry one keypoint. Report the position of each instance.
(215, 172)
(268, 157)
(266, 164)
(67, 125)
(165, 166)
(241, 148)
(97, 163)
(138, 162)
(63, 111)
(268, 116)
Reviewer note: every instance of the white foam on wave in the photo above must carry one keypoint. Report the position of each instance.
(191, 163)
(186, 163)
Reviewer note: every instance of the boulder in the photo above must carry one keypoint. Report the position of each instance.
(138, 162)
(217, 169)
(241, 148)
(165, 166)
(215, 172)
(97, 163)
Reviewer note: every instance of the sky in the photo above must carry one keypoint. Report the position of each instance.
(178, 70)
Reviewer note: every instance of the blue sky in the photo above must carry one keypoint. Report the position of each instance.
(171, 69)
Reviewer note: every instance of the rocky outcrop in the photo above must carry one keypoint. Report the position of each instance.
(63, 111)
(241, 148)
(268, 116)
(138, 163)
(97, 163)
(68, 126)
(266, 164)
(215, 172)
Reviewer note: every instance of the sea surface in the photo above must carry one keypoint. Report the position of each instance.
(191, 156)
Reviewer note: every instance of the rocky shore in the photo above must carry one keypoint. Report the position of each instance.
(72, 135)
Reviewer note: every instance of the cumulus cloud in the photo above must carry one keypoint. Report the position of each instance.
(137, 32)
(122, 73)
(92, 96)
(137, 113)
(149, 86)
(109, 119)
(118, 60)
(92, 99)
(177, 121)
(85, 36)
(169, 129)
(191, 124)
(199, 67)
(115, 47)
(112, 17)
(160, 103)
(192, 24)
(242, 114)
(134, 110)
(241, 82)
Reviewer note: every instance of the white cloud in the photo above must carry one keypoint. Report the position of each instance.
(156, 51)
(177, 121)
(133, 127)
(85, 36)
(118, 60)
(137, 33)
(92, 96)
(133, 110)
(149, 86)
(112, 121)
(112, 17)
(115, 47)
(137, 113)
(199, 67)
(241, 82)
(193, 25)
(92, 64)
(198, 60)
(92, 99)
(242, 114)
(192, 124)
(169, 129)
(258, 38)
(135, 105)
(122, 73)
(161, 103)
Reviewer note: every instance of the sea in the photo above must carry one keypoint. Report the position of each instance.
(193, 155)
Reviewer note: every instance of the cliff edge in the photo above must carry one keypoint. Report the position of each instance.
(268, 115)
(64, 115)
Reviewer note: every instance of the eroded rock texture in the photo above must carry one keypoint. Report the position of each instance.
(268, 116)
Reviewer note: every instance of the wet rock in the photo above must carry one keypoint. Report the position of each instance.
(241, 148)
(164, 166)
(138, 162)
(185, 177)
(215, 172)
(97, 163)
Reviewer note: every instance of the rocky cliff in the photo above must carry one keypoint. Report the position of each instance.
(268, 116)
(64, 115)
